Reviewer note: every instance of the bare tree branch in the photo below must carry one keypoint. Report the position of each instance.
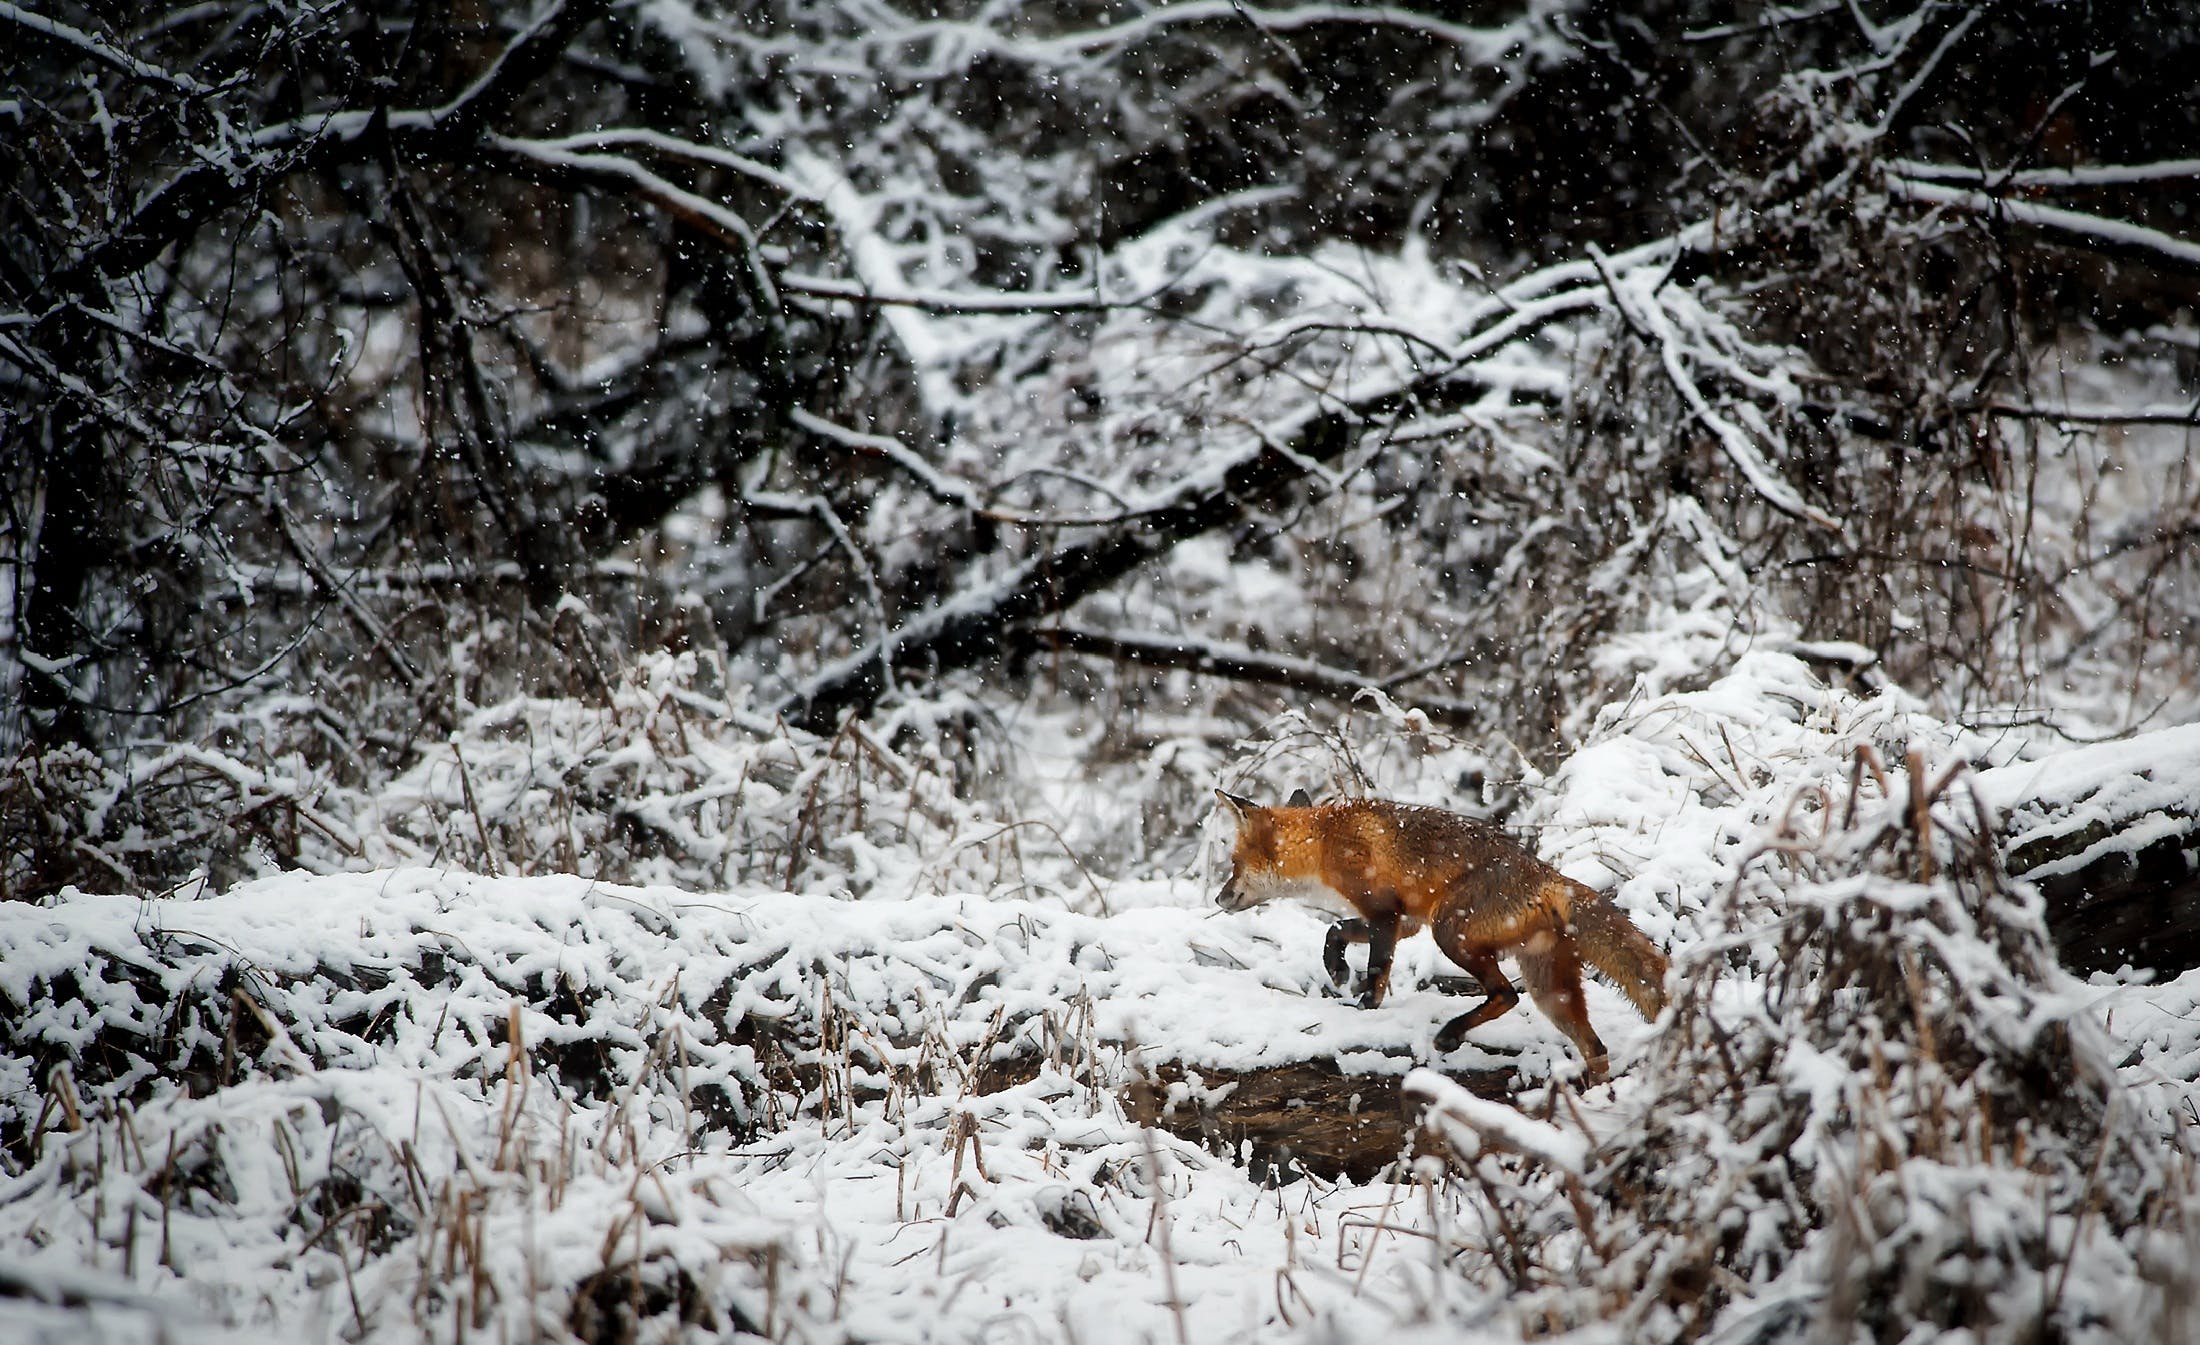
(1237, 663)
(175, 209)
(972, 626)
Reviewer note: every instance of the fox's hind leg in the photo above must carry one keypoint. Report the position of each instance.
(1496, 1004)
(1553, 978)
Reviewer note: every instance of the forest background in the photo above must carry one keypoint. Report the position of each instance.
(828, 448)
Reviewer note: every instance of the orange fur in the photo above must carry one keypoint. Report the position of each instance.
(1392, 868)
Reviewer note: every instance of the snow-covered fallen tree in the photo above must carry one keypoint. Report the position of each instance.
(2109, 833)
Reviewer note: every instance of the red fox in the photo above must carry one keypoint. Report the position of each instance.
(1390, 868)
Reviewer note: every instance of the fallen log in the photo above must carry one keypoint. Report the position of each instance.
(2110, 833)
(1310, 1116)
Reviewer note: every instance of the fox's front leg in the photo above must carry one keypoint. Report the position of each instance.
(1342, 935)
(1380, 934)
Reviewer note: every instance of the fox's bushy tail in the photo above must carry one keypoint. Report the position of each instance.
(1620, 952)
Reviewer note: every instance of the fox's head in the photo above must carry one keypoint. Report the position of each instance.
(1256, 871)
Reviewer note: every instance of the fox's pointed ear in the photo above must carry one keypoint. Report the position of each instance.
(1300, 799)
(1238, 807)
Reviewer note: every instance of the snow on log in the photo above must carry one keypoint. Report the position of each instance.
(1473, 1125)
(726, 1016)
(2108, 832)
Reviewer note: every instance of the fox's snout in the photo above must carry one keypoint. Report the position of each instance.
(1231, 897)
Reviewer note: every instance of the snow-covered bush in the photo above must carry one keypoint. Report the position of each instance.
(672, 775)
(1913, 1112)
(666, 773)
(1876, 1104)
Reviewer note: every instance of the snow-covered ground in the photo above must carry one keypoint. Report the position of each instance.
(420, 1103)
(393, 993)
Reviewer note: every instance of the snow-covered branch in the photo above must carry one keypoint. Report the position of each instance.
(1237, 663)
(2117, 238)
(2187, 414)
(973, 624)
(889, 37)
(955, 302)
(937, 484)
(1683, 335)
(672, 147)
(727, 227)
(106, 53)
(2075, 178)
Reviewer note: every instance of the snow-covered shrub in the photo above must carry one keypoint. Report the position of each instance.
(663, 773)
(46, 819)
(1915, 1115)
(671, 775)
(152, 819)
(1876, 1104)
